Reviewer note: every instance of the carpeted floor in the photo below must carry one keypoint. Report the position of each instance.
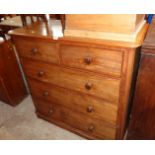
(21, 123)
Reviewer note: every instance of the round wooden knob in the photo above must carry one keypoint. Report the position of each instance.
(41, 73)
(88, 60)
(91, 128)
(34, 51)
(46, 93)
(50, 111)
(89, 109)
(88, 86)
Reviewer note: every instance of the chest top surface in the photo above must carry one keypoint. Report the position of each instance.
(43, 30)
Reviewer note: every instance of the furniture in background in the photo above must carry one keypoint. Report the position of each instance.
(83, 85)
(8, 24)
(142, 122)
(32, 18)
(60, 17)
(41, 17)
(12, 22)
(6, 16)
(12, 88)
(1, 17)
(2, 34)
(20, 21)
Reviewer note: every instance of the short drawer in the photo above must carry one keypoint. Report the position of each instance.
(88, 105)
(93, 127)
(89, 83)
(94, 59)
(37, 49)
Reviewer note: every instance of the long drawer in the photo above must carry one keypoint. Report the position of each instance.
(88, 105)
(94, 59)
(38, 49)
(92, 127)
(89, 83)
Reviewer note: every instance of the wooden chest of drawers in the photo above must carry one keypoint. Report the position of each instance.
(81, 85)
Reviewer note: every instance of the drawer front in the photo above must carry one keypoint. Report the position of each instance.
(88, 83)
(37, 49)
(93, 59)
(88, 105)
(93, 127)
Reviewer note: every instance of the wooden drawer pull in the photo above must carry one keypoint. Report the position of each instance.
(88, 60)
(45, 93)
(50, 111)
(91, 128)
(34, 51)
(88, 86)
(41, 73)
(89, 109)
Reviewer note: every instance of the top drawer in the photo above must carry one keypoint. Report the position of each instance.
(37, 49)
(93, 59)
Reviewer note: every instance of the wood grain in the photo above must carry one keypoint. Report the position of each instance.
(117, 23)
(37, 49)
(101, 60)
(142, 119)
(93, 127)
(3, 92)
(129, 65)
(131, 37)
(141, 125)
(95, 71)
(88, 105)
(13, 89)
(104, 87)
(42, 31)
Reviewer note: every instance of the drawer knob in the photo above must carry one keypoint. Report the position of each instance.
(88, 60)
(88, 86)
(41, 73)
(34, 51)
(50, 111)
(91, 128)
(46, 93)
(89, 109)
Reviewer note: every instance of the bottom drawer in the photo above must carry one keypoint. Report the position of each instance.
(87, 126)
(79, 102)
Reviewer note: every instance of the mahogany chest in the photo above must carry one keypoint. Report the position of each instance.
(12, 87)
(142, 123)
(83, 85)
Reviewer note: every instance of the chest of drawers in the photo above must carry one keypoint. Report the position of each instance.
(81, 85)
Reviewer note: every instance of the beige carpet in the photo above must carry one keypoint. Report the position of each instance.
(21, 123)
